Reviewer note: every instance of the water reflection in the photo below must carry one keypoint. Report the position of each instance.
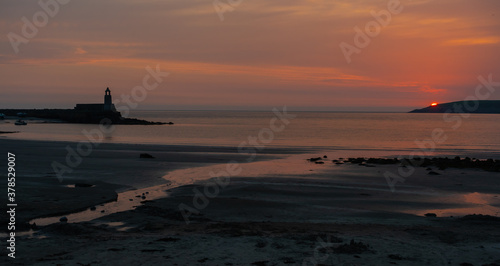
(469, 203)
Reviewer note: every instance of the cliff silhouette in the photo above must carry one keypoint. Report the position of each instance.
(473, 107)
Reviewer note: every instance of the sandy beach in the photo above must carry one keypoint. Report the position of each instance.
(110, 168)
(279, 209)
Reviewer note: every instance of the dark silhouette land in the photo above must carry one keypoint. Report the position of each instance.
(93, 113)
(473, 107)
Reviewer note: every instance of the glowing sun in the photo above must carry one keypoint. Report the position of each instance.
(434, 104)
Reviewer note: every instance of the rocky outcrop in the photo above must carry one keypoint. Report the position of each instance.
(80, 117)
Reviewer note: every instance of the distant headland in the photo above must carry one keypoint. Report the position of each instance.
(473, 107)
(93, 113)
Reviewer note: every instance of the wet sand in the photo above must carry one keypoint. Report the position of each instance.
(282, 212)
(109, 168)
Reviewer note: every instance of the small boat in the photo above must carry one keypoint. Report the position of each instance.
(20, 122)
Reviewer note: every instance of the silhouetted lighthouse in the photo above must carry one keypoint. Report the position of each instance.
(107, 100)
(98, 107)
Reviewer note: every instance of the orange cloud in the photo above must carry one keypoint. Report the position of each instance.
(80, 51)
(474, 41)
(429, 89)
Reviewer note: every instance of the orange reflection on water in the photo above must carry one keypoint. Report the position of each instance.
(477, 198)
(472, 203)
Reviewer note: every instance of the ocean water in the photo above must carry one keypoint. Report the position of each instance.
(475, 133)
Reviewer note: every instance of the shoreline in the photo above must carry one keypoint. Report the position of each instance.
(346, 152)
(195, 171)
(110, 169)
(80, 216)
(278, 210)
(269, 224)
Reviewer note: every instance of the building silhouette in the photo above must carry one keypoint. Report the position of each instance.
(108, 105)
(98, 107)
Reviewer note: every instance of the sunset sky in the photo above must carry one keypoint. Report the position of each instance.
(262, 54)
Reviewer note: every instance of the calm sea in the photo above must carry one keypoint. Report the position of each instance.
(477, 133)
